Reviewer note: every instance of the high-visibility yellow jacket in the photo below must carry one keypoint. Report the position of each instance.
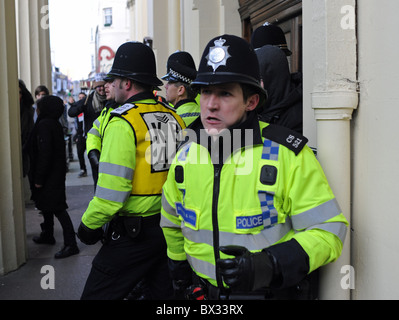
(94, 136)
(267, 192)
(189, 110)
(134, 161)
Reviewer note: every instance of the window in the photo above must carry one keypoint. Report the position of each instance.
(107, 17)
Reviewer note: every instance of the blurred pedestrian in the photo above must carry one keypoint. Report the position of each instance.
(47, 174)
(79, 138)
(91, 108)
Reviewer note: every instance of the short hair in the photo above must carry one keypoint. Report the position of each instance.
(191, 93)
(247, 91)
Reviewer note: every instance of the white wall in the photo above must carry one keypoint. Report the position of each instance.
(375, 249)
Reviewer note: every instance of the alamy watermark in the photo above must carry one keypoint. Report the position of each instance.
(47, 282)
(45, 20)
(348, 280)
(222, 148)
(348, 21)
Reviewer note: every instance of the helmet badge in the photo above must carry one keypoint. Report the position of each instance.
(218, 55)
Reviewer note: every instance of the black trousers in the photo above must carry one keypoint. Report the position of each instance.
(81, 148)
(122, 263)
(66, 224)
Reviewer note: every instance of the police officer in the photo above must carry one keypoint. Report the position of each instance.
(246, 205)
(133, 167)
(181, 71)
(270, 34)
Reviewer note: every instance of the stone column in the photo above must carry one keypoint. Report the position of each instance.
(333, 53)
(12, 219)
(34, 43)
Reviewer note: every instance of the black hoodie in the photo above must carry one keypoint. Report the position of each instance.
(48, 156)
(284, 105)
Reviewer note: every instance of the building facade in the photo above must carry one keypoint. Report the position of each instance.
(346, 52)
(112, 30)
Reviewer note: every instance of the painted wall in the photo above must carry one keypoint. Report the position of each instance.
(375, 251)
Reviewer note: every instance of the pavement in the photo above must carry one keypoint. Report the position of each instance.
(42, 277)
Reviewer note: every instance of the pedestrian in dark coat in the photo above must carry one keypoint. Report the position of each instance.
(284, 104)
(48, 172)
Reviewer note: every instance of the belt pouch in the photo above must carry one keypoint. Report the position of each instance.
(133, 226)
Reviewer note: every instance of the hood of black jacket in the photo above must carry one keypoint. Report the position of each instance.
(50, 107)
(277, 79)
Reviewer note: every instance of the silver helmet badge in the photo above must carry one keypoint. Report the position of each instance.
(218, 55)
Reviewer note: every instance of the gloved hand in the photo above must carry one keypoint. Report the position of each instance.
(94, 158)
(247, 271)
(89, 236)
(181, 274)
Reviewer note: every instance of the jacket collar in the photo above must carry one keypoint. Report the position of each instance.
(141, 96)
(181, 102)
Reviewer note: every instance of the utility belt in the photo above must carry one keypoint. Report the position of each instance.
(307, 289)
(131, 227)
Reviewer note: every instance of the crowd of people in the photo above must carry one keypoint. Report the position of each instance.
(177, 215)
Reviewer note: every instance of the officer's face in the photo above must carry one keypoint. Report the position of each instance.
(119, 87)
(109, 90)
(223, 105)
(172, 92)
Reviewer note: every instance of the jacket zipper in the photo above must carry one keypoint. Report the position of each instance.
(215, 224)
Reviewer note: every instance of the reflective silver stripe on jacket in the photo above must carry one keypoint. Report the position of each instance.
(165, 222)
(252, 242)
(94, 130)
(316, 218)
(112, 195)
(116, 170)
(337, 228)
(204, 267)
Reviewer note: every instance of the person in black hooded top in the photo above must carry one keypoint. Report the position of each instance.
(284, 105)
(47, 174)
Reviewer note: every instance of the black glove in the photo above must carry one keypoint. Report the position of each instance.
(94, 158)
(247, 271)
(181, 274)
(89, 236)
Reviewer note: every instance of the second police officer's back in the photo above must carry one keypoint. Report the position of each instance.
(133, 167)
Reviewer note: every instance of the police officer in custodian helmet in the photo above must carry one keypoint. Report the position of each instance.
(246, 205)
(181, 73)
(132, 170)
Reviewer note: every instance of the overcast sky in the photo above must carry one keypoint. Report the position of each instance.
(70, 33)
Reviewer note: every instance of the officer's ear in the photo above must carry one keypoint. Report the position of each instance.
(129, 84)
(252, 102)
(181, 90)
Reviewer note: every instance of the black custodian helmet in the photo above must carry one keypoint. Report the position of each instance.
(269, 34)
(228, 59)
(181, 68)
(135, 61)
